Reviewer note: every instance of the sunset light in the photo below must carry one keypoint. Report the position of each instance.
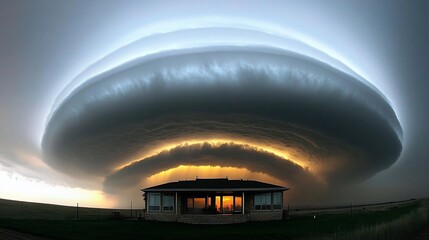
(191, 172)
(16, 186)
(307, 113)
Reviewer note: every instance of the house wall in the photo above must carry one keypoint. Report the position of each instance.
(212, 218)
(179, 204)
(266, 215)
(161, 215)
(250, 214)
(248, 202)
(260, 215)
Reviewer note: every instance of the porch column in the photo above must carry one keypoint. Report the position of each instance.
(147, 202)
(242, 204)
(176, 204)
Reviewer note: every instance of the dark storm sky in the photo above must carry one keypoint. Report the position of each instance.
(45, 46)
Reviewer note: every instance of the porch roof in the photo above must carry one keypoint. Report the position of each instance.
(215, 184)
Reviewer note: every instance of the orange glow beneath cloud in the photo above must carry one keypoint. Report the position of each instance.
(18, 187)
(190, 172)
(278, 150)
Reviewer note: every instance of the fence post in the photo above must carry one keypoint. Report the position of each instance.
(77, 211)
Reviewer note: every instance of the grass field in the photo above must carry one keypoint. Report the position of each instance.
(28, 210)
(339, 225)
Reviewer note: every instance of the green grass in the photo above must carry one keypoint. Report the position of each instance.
(295, 227)
(402, 227)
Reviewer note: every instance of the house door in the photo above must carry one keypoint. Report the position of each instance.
(228, 204)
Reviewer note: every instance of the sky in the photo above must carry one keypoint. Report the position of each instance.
(100, 99)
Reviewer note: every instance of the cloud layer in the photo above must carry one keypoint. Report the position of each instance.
(224, 106)
(206, 154)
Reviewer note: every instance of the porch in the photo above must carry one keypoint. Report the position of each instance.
(212, 203)
(212, 219)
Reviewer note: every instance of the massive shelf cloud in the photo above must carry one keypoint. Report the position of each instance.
(262, 108)
(206, 154)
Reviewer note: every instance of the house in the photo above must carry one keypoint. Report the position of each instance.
(215, 201)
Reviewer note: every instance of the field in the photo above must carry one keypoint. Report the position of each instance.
(395, 221)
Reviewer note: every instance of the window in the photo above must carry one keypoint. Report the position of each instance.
(258, 202)
(227, 204)
(277, 200)
(263, 201)
(195, 204)
(167, 202)
(237, 204)
(199, 203)
(154, 201)
(190, 203)
(218, 204)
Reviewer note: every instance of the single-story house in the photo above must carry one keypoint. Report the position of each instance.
(214, 201)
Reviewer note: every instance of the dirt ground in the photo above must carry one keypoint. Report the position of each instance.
(6, 234)
(423, 235)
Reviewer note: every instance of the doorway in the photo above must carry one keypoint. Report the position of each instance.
(227, 204)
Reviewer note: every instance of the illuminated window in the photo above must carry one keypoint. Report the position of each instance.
(218, 205)
(195, 204)
(263, 201)
(190, 203)
(167, 202)
(199, 203)
(154, 201)
(237, 204)
(227, 204)
(277, 200)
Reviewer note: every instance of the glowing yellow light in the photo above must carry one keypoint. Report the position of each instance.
(279, 151)
(191, 172)
(16, 186)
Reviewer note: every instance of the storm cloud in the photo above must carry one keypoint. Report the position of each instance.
(223, 155)
(328, 124)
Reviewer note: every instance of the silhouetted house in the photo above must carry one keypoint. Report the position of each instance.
(214, 201)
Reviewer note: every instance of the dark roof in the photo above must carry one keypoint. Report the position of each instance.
(215, 184)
